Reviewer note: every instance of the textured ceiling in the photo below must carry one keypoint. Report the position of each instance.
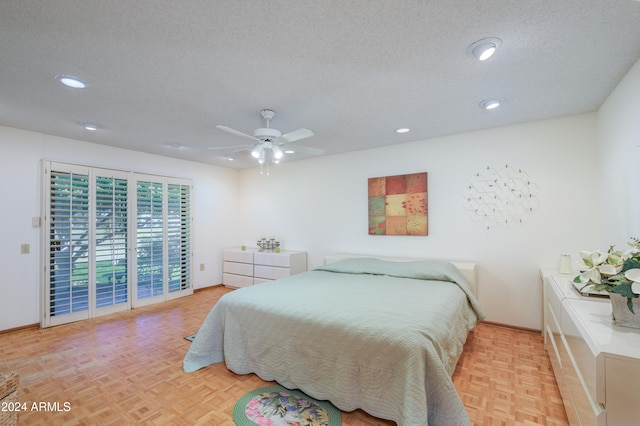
(163, 72)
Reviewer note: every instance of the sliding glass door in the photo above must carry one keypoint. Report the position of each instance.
(105, 253)
(163, 239)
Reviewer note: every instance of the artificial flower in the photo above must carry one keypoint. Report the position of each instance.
(614, 271)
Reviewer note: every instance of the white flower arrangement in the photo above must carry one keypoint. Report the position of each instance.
(614, 271)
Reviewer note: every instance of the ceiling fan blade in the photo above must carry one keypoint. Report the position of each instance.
(237, 133)
(296, 135)
(243, 153)
(306, 149)
(236, 147)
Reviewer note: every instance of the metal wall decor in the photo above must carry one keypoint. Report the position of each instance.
(504, 197)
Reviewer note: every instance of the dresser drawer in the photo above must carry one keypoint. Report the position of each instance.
(580, 371)
(563, 382)
(238, 268)
(272, 259)
(238, 256)
(237, 281)
(271, 272)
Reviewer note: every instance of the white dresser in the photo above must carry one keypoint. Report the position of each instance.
(596, 364)
(243, 268)
(237, 267)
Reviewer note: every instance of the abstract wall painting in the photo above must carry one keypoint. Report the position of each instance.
(398, 205)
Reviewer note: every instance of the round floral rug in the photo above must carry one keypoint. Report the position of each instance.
(278, 406)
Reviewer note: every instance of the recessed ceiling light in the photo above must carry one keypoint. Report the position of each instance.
(402, 130)
(92, 127)
(70, 81)
(175, 145)
(491, 103)
(485, 48)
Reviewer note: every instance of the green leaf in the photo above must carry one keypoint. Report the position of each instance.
(616, 280)
(625, 290)
(631, 263)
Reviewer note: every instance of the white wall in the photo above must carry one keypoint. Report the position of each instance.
(619, 135)
(320, 205)
(215, 198)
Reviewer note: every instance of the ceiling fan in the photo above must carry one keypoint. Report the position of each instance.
(270, 144)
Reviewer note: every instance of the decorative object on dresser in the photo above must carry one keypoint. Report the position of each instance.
(623, 314)
(242, 268)
(617, 273)
(269, 244)
(566, 267)
(596, 364)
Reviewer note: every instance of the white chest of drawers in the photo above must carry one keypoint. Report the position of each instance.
(242, 268)
(237, 268)
(596, 364)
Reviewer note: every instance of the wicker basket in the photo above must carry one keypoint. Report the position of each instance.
(8, 394)
(621, 314)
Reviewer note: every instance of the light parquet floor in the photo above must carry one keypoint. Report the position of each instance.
(126, 369)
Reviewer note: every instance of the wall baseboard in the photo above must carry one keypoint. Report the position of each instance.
(195, 290)
(513, 327)
(21, 328)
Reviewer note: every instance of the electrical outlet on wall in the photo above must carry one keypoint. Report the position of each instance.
(201, 267)
(24, 248)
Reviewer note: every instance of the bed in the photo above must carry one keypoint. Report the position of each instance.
(368, 333)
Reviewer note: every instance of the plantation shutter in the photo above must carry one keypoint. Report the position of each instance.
(163, 239)
(150, 237)
(112, 240)
(179, 237)
(67, 269)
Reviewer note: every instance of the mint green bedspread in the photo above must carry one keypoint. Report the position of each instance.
(361, 333)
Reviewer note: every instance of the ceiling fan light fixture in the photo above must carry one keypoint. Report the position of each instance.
(491, 103)
(257, 151)
(485, 48)
(277, 152)
(262, 157)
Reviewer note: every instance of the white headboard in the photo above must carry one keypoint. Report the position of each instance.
(468, 269)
